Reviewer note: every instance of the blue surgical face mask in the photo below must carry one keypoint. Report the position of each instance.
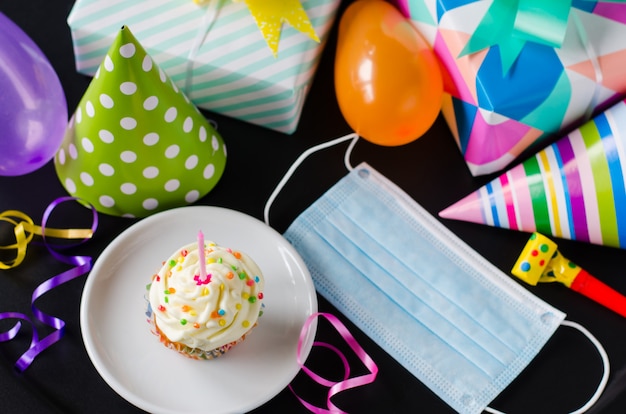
(456, 322)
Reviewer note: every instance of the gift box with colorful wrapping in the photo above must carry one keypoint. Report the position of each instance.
(519, 73)
(225, 67)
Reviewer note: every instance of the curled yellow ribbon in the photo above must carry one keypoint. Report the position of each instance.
(270, 16)
(25, 229)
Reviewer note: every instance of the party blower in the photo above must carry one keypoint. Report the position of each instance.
(540, 261)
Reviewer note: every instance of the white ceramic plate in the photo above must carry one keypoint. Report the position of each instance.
(156, 379)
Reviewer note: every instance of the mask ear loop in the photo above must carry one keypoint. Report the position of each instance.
(346, 159)
(605, 375)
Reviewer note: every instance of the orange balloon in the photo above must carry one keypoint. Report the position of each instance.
(387, 78)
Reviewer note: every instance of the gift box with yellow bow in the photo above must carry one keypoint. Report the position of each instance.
(253, 60)
(521, 73)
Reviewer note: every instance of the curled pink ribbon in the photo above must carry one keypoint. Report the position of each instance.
(335, 387)
(82, 265)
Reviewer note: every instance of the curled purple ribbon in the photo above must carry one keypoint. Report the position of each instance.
(335, 387)
(82, 265)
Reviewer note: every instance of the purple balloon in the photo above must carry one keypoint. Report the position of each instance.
(33, 109)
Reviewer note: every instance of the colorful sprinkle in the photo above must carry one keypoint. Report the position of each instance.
(257, 279)
(184, 252)
(214, 315)
(166, 299)
(196, 325)
(230, 275)
(245, 295)
(245, 324)
(205, 291)
(249, 282)
(222, 322)
(252, 299)
(221, 312)
(162, 308)
(183, 321)
(186, 308)
(238, 306)
(260, 295)
(242, 275)
(172, 263)
(219, 260)
(237, 255)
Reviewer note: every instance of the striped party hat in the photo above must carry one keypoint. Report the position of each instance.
(573, 189)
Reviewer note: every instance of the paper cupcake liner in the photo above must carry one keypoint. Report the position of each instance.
(185, 350)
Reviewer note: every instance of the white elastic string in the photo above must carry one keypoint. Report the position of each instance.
(353, 136)
(605, 375)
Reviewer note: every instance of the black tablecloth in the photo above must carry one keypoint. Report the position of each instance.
(63, 380)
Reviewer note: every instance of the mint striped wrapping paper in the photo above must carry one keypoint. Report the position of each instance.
(573, 189)
(233, 72)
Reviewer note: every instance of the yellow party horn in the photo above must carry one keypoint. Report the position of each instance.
(540, 261)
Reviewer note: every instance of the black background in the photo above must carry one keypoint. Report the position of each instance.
(63, 380)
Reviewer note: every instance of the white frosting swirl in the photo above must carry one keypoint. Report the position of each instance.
(209, 313)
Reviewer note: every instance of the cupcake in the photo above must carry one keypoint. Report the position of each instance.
(203, 312)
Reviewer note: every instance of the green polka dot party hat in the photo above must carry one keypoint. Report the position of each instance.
(135, 144)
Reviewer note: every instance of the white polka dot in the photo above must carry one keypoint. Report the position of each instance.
(106, 101)
(202, 134)
(106, 201)
(106, 169)
(108, 64)
(192, 196)
(97, 75)
(128, 156)
(70, 185)
(86, 178)
(128, 123)
(150, 103)
(170, 114)
(73, 151)
(127, 50)
(188, 124)
(162, 75)
(128, 88)
(87, 144)
(172, 185)
(150, 172)
(79, 115)
(128, 215)
(146, 65)
(172, 151)
(174, 87)
(61, 156)
(106, 136)
(191, 162)
(209, 171)
(91, 111)
(215, 143)
(151, 139)
(128, 188)
(150, 203)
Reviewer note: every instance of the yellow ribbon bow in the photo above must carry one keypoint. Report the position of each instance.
(270, 16)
